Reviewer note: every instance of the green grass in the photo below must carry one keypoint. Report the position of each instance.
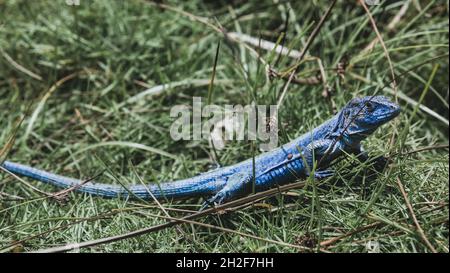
(89, 124)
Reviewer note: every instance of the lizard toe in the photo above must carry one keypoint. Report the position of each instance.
(217, 199)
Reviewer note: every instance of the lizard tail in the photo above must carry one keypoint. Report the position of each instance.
(169, 190)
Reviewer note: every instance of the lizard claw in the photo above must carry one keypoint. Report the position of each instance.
(217, 199)
(381, 163)
(323, 174)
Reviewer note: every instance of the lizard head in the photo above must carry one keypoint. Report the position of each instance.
(362, 116)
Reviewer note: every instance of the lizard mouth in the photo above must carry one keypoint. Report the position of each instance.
(390, 115)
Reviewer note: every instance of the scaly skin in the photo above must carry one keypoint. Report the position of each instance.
(340, 134)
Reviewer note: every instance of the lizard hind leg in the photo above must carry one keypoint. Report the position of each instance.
(237, 184)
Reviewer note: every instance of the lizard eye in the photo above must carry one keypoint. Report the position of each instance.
(369, 106)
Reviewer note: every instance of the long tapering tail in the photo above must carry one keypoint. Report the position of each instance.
(170, 190)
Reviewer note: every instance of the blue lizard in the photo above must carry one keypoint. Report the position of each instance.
(341, 134)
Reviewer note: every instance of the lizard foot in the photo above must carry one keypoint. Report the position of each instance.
(217, 199)
(381, 163)
(323, 174)
(235, 186)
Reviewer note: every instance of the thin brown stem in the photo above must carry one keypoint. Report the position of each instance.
(383, 45)
(227, 230)
(413, 216)
(304, 50)
(231, 204)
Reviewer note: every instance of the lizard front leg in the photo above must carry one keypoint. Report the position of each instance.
(380, 162)
(323, 152)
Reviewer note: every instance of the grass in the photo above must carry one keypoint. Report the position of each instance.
(83, 69)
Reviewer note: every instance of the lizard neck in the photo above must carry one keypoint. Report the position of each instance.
(347, 135)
